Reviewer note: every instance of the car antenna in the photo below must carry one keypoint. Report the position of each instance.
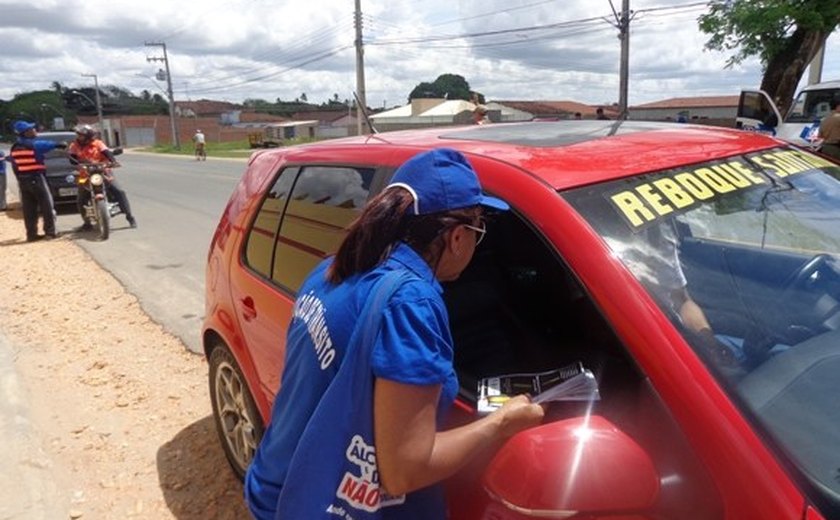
(364, 113)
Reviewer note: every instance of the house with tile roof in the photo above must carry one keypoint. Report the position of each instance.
(690, 109)
(427, 112)
(548, 110)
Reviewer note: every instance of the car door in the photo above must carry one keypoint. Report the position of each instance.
(302, 219)
(757, 112)
(519, 308)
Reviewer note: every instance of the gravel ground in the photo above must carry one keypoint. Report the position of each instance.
(110, 413)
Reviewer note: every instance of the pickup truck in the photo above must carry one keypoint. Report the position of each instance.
(757, 112)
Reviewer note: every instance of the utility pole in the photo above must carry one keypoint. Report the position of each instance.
(816, 67)
(360, 72)
(99, 108)
(624, 74)
(176, 141)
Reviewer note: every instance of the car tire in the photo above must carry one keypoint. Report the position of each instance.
(238, 422)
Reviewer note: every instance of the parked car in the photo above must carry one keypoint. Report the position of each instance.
(61, 175)
(608, 220)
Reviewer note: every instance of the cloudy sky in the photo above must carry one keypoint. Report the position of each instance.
(268, 49)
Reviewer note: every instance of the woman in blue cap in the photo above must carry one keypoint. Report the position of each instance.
(368, 372)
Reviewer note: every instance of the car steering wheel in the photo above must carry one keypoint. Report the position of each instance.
(782, 327)
(808, 269)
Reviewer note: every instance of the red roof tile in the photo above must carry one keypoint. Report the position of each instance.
(693, 102)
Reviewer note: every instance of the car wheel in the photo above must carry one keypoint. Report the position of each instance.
(238, 421)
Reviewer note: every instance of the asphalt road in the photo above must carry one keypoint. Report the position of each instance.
(177, 202)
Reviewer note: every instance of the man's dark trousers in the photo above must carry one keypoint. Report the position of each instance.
(35, 198)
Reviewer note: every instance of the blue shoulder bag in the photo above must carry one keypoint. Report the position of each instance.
(333, 472)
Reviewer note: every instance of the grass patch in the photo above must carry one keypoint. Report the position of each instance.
(228, 149)
(235, 149)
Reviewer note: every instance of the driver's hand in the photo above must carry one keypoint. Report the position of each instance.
(720, 353)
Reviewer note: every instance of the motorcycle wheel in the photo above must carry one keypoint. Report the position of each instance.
(103, 219)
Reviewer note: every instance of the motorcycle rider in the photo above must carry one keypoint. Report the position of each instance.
(88, 149)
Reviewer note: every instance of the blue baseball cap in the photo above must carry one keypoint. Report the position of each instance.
(23, 126)
(442, 180)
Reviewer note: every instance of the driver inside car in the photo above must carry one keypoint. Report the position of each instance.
(654, 259)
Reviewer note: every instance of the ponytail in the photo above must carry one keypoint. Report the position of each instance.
(384, 222)
(371, 235)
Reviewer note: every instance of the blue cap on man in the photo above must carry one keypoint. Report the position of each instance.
(441, 180)
(23, 126)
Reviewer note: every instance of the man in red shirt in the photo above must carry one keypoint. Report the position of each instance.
(88, 149)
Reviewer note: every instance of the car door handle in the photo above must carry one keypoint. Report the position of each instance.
(249, 311)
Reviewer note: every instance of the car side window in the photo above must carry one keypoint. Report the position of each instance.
(303, 219)
(263, 232)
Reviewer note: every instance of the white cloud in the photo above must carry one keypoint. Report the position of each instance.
(238, 49)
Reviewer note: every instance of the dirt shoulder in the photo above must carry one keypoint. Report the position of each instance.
(115, 410)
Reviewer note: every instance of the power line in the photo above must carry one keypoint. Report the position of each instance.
(483, 34)
(302, 64)
(298, 56)
(279, 57)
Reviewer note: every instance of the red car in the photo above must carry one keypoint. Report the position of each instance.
(693, 270)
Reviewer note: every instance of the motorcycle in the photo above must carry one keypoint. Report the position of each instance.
(98, 208)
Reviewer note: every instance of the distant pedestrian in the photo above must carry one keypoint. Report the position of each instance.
(2, 181)
(599, 114)
(578, 115)
(480, 115)
(199, 140)
(830, 130)
(27, 155)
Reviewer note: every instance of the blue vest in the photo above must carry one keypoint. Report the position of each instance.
(317, 458)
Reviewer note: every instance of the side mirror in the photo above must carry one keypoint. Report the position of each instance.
(583, 466)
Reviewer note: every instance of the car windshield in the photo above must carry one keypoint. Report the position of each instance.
(811, 106)
(753, 240)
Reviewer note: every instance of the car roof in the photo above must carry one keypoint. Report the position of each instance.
(57, 136)
(823, 85)
(568, 154)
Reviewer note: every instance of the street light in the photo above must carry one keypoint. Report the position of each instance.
(57, 111)
(98, 106)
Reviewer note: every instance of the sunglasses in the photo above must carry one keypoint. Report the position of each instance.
(479, 231)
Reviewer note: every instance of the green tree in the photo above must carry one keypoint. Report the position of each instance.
(449, 86)
(256, 103)
(40, 107)
(784, 34)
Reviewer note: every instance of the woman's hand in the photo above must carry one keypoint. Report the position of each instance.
(518, 414)
(412, 454)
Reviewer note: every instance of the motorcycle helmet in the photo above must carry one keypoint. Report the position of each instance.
(85, 131)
